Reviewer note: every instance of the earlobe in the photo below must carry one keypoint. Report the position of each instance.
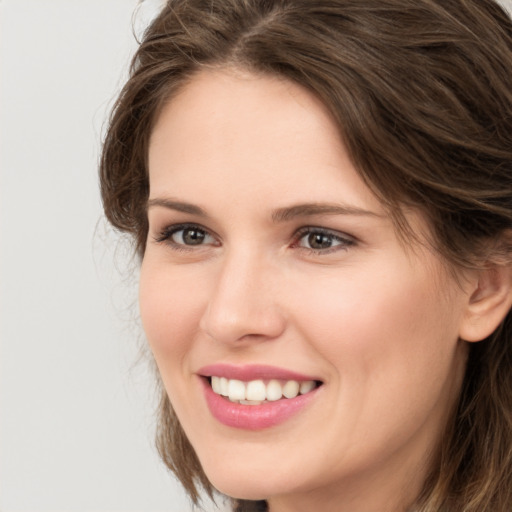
(489, 303)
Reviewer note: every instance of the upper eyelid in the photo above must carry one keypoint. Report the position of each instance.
(172, 228)
(328, 231)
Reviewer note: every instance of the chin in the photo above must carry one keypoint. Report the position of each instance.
(251, 484)
(243, 489)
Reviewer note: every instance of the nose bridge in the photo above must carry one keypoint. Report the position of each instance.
(242, 304)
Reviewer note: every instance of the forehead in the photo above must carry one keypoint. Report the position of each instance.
(222, 108)
(260, 131)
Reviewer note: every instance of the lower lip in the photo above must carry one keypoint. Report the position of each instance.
(254, 417)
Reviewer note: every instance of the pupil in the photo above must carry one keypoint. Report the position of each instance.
(193, 236)
(319, 241)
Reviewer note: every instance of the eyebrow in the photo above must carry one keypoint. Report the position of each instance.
(178, 206)
(310, 209)
(279, 215)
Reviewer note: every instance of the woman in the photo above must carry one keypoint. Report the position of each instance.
(321, 197)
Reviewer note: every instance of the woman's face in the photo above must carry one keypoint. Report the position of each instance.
(271, 268)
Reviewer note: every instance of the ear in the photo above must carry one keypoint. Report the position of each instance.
(489, 302)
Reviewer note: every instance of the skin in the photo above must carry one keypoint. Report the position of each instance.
(376, 321)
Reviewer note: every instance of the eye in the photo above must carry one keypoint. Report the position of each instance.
(186, 236)
(320, 240)
(190, 236)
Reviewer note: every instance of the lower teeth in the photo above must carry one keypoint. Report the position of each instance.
(253, 402)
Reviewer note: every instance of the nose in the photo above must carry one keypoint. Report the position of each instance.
(243, 302)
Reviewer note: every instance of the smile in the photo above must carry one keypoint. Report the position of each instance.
(256, 397)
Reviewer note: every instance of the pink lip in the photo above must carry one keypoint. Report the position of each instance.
(253, 417)
(251, 372)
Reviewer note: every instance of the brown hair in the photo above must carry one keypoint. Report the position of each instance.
(422, 93)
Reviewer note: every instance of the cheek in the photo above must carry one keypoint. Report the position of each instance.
(395, 363)
(170, 309)
(382, 332)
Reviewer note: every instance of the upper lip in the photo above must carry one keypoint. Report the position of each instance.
(252, 372)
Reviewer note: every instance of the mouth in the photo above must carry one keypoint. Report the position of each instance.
(256, 397)
(260, 391)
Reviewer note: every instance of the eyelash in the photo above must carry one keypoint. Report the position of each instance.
(343, 241)
(166, 234)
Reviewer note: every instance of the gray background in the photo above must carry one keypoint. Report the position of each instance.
(75, 406)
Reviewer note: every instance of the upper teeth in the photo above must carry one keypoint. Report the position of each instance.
(256, 391)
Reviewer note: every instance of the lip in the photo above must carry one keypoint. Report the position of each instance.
(252, 372)
(253, 417)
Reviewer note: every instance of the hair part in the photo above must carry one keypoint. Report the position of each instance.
(421, 91)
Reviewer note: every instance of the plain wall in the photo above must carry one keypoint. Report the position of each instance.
(76, 411)
(76, 424)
